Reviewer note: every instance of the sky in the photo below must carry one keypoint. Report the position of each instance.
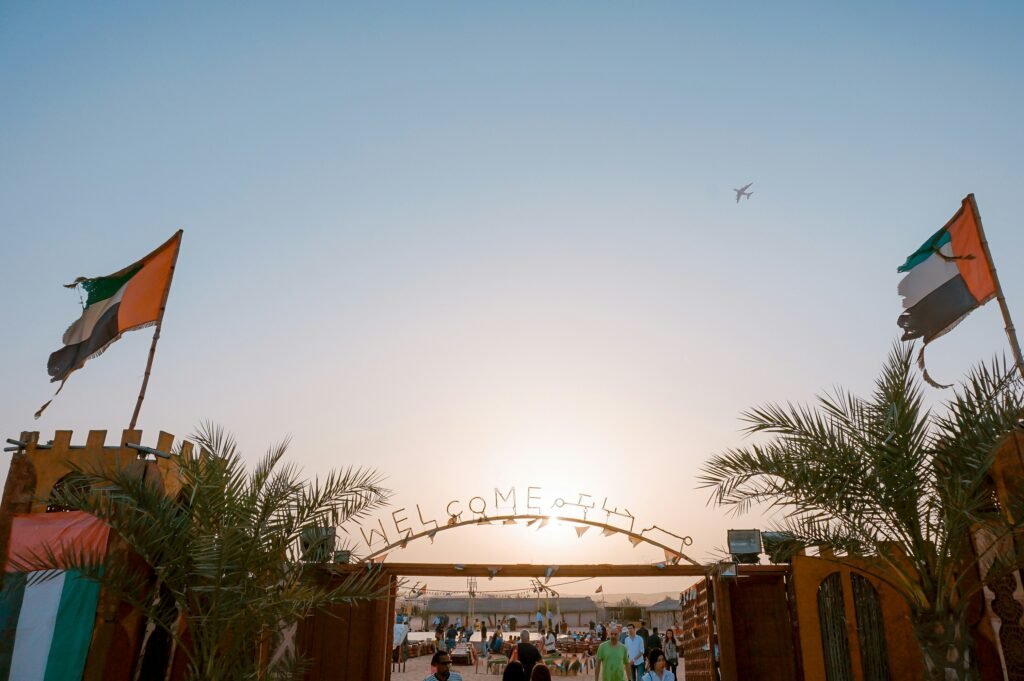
(483, 245)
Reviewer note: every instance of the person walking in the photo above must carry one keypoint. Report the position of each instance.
(612, 660)
(643, 633)
(527, 653)
(635, 649)
(653, 641)
(658, 667)
(399, 640)
(672, 652)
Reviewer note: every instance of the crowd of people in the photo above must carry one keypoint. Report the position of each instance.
(638, 655)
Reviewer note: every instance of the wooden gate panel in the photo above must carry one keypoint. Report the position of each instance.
(904, 656)
(348, 642)
(762, 629)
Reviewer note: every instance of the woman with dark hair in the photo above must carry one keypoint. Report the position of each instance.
(550, 642)
(657, 669)
(514, 672)
(497, 641)
(540, 673)
(671, 651)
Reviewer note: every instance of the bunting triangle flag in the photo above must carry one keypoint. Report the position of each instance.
(599, 589)
(607, 532)
(635, 540)
(582, 530)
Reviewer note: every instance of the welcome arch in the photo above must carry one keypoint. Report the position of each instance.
(672, 556)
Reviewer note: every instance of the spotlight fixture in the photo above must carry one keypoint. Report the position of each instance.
(745, 546)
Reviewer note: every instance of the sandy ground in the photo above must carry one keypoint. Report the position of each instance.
(418, 668)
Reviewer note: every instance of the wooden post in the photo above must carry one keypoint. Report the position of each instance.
(724, 629)
(156, 336)
(1011, 333)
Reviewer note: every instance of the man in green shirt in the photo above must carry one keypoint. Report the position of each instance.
(612, 661)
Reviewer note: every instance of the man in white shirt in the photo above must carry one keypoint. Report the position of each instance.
(398, 634)
(550, 643)
(635, 652)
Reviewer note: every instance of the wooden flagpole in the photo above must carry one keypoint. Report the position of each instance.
(1011, 332)
(156, 335)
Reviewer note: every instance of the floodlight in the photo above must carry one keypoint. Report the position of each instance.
(780, 546)
(745, 546)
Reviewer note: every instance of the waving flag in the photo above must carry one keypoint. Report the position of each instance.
(946, 278)
(132, 298)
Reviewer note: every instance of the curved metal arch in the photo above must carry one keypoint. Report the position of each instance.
(634, 537)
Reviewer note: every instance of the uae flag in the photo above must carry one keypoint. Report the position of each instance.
(132, 298)
(947, 277)
(46, 625)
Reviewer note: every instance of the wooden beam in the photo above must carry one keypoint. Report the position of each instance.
(527, 570)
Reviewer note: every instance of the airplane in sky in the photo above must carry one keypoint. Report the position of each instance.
(742, 191)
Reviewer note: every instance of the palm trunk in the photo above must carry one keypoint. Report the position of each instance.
(946, 645)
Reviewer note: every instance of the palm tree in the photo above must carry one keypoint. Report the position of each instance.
(221, 568)
(887, 480)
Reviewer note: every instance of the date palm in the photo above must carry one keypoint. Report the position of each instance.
(888, 480)
(220, 568)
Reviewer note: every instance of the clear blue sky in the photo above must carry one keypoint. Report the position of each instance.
(479, 244)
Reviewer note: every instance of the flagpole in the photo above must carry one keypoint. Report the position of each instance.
(1011, 332)
(156, 336)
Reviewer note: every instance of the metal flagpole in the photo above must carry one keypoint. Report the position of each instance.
(1011, 333)
(156, 335)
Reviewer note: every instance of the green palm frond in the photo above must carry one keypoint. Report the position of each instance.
(226, 551)
(881, 477)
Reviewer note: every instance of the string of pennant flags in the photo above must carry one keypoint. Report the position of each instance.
(419, 590)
